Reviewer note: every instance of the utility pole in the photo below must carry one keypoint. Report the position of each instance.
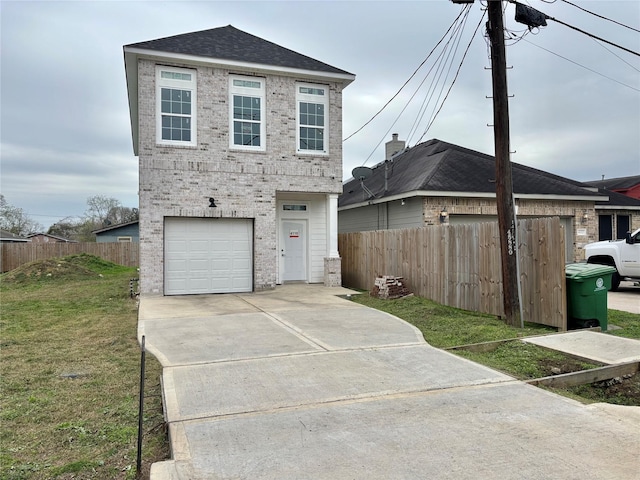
(504, 184)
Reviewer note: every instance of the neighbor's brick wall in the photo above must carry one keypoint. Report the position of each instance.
(526, 208)
(177, 181)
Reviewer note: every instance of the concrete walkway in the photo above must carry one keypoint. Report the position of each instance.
(298, 383)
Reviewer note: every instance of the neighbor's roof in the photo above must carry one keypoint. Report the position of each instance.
(226, 47)
(617, 201)
(55, 237)
(7, 236)
(620, 183)
(438, 168)
(114, 227)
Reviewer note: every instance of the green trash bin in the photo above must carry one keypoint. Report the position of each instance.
(587, 287)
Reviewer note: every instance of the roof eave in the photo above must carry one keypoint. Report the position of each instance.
(345, 78)
(131, 73)
(425, 193)
(617, 207)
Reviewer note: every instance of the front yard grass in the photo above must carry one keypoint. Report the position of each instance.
(70, 372)
(447, 327)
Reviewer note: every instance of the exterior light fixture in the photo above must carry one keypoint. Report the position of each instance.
(444, 216)
(212, 202)
(402, 202)
(585, 218)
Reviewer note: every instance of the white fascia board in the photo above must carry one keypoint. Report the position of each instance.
(346, 79)
(131, 73)
(579, 198)
(425, 193)
(618, 207)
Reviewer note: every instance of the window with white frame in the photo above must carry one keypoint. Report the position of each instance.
(246, 116)
(312, 110)
(176, 106)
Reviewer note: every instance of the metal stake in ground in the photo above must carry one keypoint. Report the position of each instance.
(140, 408)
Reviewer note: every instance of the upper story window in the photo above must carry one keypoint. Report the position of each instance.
(247, 118)
(176, 106)
(312, 110)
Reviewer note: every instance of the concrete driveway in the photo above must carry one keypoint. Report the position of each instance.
(627, 298)
(298, 383)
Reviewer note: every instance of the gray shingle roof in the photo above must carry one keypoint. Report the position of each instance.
(437, 166)
(617, 200)
(229, 43)
(621, 183)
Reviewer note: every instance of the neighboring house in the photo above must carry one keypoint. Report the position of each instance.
(437, 182)
(123, 232)
(48, 238)
(240, 158)
(629, 186)
(617, 216)
(8, 237)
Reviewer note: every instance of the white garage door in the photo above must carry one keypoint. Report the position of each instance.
(207, 255)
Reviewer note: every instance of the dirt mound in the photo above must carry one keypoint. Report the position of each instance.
(50, 269)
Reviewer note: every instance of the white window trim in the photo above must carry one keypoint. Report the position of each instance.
(124, 239)
(190, 85)
(248, 92)
(311, 98)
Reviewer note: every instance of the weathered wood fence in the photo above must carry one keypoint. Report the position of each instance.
(16, 254)
(459, 265)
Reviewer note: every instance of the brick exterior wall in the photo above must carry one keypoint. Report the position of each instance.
(178, 181)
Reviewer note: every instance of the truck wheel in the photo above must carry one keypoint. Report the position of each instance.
(615, 281)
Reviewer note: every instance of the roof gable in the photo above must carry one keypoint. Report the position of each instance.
(441, 167)
(229, 43)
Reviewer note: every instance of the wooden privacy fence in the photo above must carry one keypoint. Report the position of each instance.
(459, 265)
(16, 254)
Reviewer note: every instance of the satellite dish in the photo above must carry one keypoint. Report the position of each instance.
(361, 173)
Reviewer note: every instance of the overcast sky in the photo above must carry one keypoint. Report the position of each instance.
(65, 132)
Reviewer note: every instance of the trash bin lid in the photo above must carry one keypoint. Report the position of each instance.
(587, 270)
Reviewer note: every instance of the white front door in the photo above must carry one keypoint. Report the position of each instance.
(293, 250)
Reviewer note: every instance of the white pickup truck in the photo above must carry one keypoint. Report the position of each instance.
(624, 255)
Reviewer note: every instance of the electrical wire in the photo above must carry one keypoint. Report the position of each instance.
(600, 16)
(617, 56)
(582, 66)
(462, 11)
(432, 88)
(454, 78)
(457, 31)
(547, 17)
(594, 36)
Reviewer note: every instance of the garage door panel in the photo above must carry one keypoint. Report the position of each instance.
(208, 255)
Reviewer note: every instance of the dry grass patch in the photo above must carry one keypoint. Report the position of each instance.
(69, 373)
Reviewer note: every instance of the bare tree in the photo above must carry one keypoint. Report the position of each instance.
(15, 220)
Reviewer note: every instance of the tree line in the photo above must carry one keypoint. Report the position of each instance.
(101, 212)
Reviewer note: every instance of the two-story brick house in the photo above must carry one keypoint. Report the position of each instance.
(240, 155)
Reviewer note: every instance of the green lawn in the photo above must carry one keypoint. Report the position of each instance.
(447, 327)
(70, 372)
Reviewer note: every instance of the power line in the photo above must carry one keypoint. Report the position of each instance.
(457, 33)
(594, 36)
(600, 16)
(432, 88)
(466, 7)
(454, 78)
(582, 66)
(543, 16)
(617, 56)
